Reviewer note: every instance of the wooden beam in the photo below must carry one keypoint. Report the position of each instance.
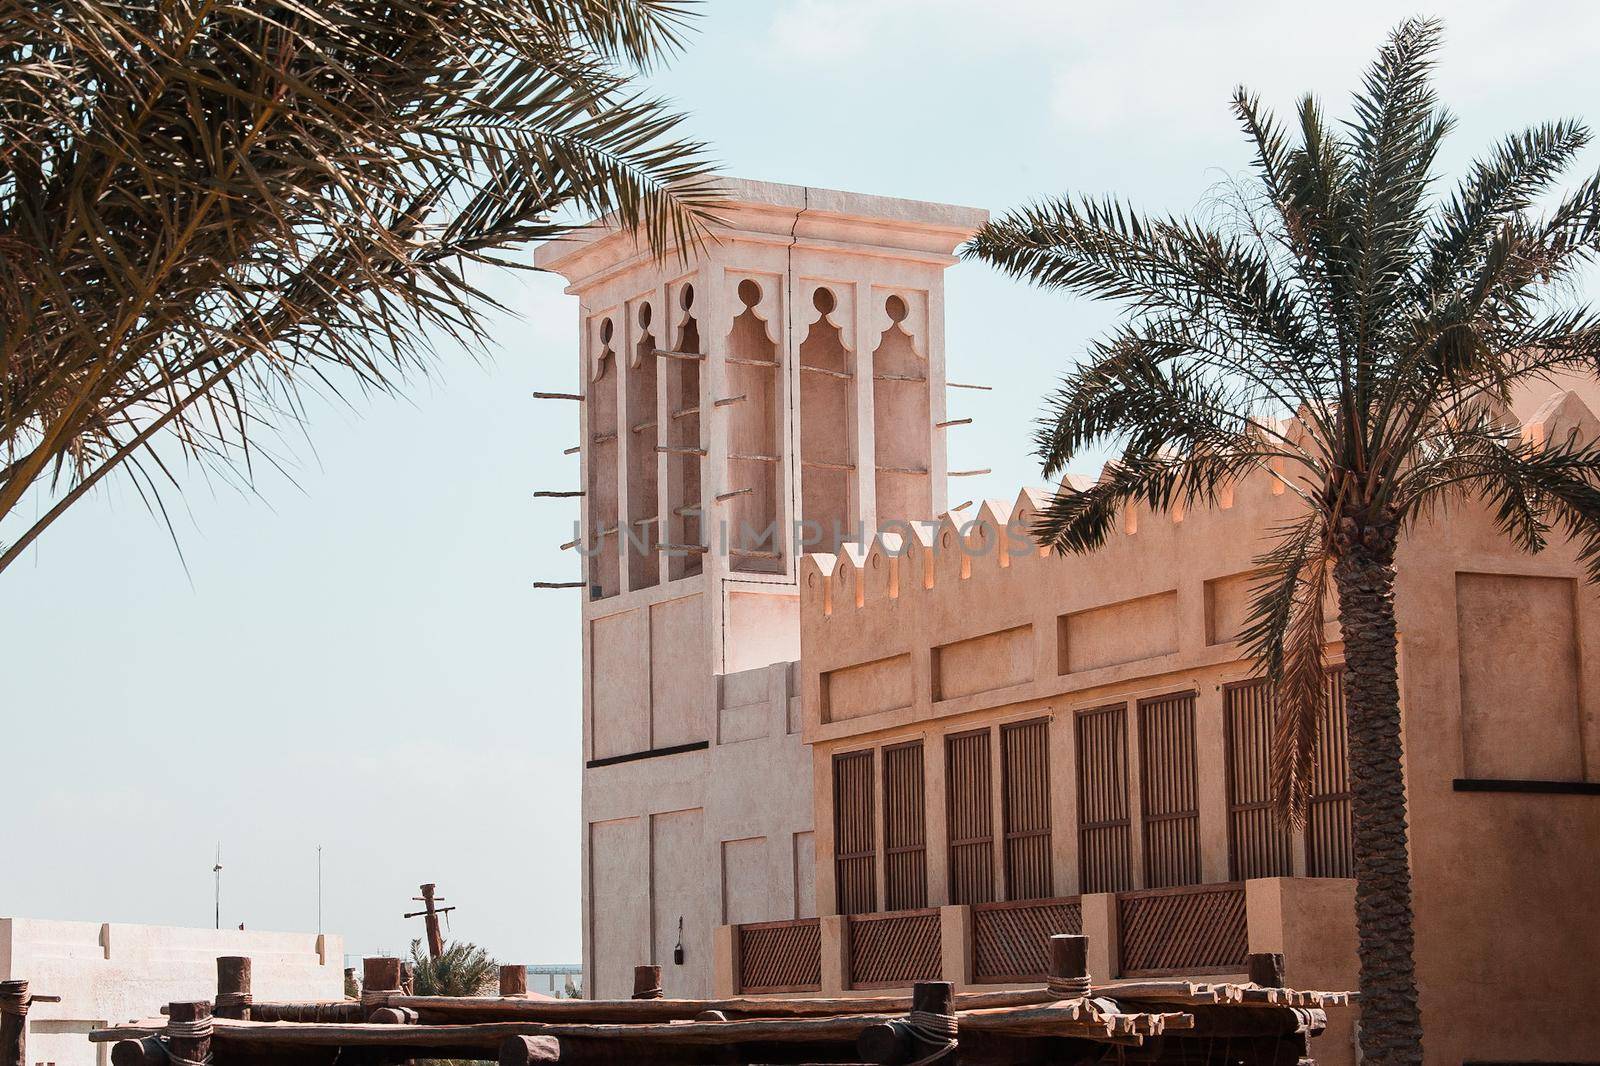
(513, 980)
(14, 1002)
(1266, 969)
(647, 982)
(189, 1030)
(233, 986)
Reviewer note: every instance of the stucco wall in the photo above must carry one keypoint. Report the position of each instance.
(111, 972)
(1500, 679)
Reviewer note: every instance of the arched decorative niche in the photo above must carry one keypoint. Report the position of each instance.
(755, 516)
(600, 484)
(827, 417)
(902, 410)
(684, 419)
(643, 532)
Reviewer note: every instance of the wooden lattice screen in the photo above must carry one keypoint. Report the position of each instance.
(1329, 849)
(780, 957)
(1258, 844)
(1171, 807)
(895, 948)
(1010, 941)
(970, 810)
(1102, 736)
(1192, 930)
(1025, 807)
(855, 876)
(904, 843)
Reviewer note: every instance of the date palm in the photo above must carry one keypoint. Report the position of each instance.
(208, 209)
(1359, 336)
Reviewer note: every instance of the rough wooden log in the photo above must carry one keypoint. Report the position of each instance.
(393, 1016)
(344, 1010)
(233, 986)
(381, 979)
(189, 1031)
(1266, 969)
(513, 980)
(529, 1050)
(144, 1051)
(14, 1002)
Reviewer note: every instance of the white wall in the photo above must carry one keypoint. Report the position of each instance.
(109, 972)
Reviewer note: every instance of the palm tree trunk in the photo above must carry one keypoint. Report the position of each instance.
(1391, 1027)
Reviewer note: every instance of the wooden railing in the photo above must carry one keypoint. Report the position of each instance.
(779, 957)
(1194, 929)
(894, 948)
(1011, 941)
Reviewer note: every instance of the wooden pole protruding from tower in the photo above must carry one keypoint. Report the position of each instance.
(1266, 969)
(647, 982)
(233, 987)
(928, 1029)
(1069, 965)
(14, 1002)
(513, 980)
(189, 1032)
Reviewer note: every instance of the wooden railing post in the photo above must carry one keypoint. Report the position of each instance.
(233, 987)
(513, 980)
(1266, 969)
(928, 1029)
(189, 1032)
(1069, 965)
(380, 979)
(647, 982)
(13, 1023)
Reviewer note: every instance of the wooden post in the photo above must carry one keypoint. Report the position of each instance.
(903, 1041)
(14, 1023)
(647, 982)
(380, 979)
(1266, 969)
(189, 1031)
(431, 920)
(1069, 965)
(513, 980)
(233, 987)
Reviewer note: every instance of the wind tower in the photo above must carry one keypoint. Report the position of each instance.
(781, 391)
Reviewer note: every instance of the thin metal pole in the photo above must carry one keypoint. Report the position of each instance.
(319, 889)
(216, 872)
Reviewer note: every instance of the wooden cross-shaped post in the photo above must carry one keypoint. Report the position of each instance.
(430, 915)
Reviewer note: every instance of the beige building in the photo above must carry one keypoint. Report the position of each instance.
(110, 972)
(993, 743)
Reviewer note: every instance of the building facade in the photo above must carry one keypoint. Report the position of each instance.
(993, 743)
(778, 391)
(109, 972)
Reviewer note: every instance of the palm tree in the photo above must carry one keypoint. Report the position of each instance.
(207, 210)
(463, 969)
(1359, 337)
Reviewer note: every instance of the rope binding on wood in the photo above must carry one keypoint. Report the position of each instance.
(935, 1031)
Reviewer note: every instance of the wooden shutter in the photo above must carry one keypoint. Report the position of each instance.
(1103, 861)
(970, 803)
(1330, 851)
(1171, 808)
(855, 878)
(1258, 845)
(1025, 807)
(904, 843)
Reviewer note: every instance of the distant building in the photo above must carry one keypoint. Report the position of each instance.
(561, 980)
(109, 972)
(840, 736)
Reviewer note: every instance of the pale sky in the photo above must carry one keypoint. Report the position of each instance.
(355, 658)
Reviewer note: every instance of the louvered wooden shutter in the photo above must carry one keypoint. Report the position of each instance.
(904, 843)
(1329, 849)
(1025, 776)
(1258, 846)
(970, 806)
(855, 878)
(1103, 861)
(1171, 808)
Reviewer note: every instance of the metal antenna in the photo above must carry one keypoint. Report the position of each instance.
(216, 871)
